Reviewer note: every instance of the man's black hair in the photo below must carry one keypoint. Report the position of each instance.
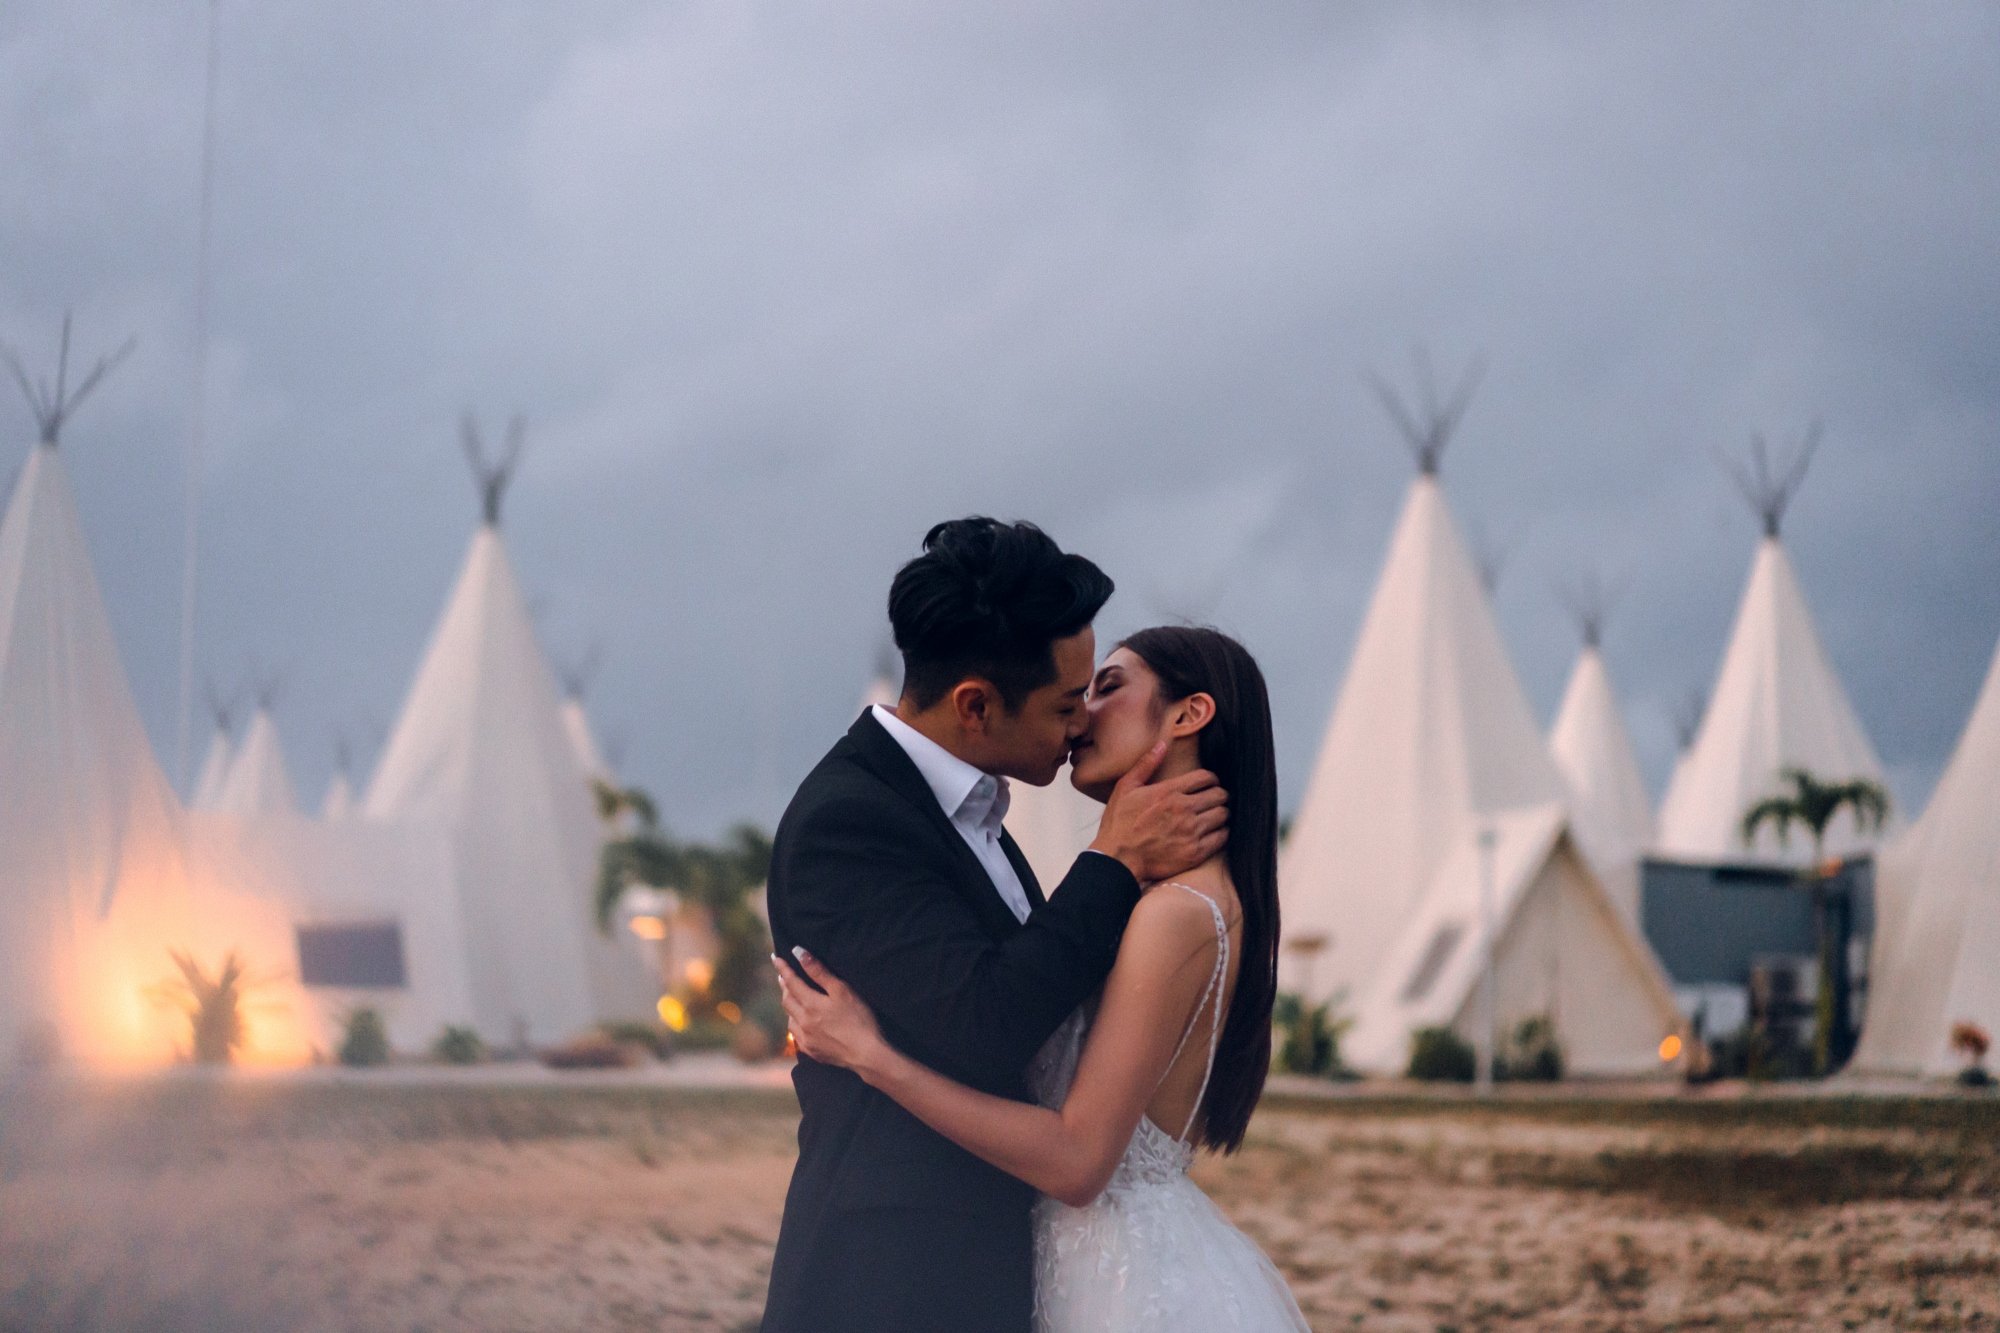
(989, 599)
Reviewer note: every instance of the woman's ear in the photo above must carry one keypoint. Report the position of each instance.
(1188, 716)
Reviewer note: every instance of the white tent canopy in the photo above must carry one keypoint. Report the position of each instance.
(258, 781)
(1777, 704)
(1611, 812)
(92, 877)
(583, 740)
(272, 879)
(338, 803)
(480, 750)
(1432, 744)
(1430, 730)
(576, 677)
(1561, 951)
(214, 767)
(1937, 893)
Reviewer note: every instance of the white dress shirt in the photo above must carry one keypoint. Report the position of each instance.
(974, 801)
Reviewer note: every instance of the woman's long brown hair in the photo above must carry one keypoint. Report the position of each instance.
(1237, 747)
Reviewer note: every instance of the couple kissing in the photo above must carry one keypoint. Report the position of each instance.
(1002, 1087)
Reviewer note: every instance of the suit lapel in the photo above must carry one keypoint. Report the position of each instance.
(1022, 868)
(878, 751)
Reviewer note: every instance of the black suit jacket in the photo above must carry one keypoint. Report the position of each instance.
(888, 1224)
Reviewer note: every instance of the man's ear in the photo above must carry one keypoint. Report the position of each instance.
(973, 702)
(1188, 716)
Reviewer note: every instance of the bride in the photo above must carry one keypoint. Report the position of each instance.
(1170, 1057)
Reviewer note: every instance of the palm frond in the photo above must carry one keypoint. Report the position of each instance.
(1778, 810)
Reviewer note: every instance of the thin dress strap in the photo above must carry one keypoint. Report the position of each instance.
(1216, 982)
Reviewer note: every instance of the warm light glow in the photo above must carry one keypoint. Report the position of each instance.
(649, 927)
(699, 973)
(728, 1012)
(673, 1013)
(1670, 1048)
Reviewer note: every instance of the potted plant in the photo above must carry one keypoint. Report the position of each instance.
(1972, 1042)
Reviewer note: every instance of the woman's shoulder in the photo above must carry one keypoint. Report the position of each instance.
(1179, 918)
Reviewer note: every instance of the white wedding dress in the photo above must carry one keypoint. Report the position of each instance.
(1152, 1252)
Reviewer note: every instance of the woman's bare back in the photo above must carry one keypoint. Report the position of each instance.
(1173, 1106)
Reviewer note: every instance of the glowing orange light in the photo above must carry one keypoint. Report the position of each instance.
(699, 973)
(728, 1012)
(673, 1013)
(649, 927)
(1670, 1048)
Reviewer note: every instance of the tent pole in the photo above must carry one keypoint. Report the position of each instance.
(198, 416)
(1488, 1036)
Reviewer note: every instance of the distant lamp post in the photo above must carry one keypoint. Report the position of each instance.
(1489, 1016)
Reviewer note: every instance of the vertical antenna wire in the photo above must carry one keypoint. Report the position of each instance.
(198, 416)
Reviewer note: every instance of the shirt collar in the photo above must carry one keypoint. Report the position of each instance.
(968, 795)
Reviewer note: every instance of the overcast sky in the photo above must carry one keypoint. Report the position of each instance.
(777, 286)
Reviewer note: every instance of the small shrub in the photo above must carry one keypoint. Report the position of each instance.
(1306, 1038)
(459, 1046)
(594, 1050)
(708, 1032)
(656, 1038)
(1533, 1055)
(1970, 1041)
(365, 1043)
(1439, 1055)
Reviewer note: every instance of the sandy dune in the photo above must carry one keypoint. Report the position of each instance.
(193, 1204)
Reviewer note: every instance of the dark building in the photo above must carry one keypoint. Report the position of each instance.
(1718, 929)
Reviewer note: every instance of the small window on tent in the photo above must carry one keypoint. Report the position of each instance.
(1436, 954)
(362, 954)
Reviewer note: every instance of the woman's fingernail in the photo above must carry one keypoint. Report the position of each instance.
(799, 952)
(777, 961)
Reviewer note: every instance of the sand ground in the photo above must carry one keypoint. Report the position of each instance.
(171, 1204)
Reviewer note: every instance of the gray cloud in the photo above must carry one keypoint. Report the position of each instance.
(779, 286)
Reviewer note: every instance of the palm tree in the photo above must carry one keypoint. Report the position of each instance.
(720, 878)
(213, 1005)
(1814, 803)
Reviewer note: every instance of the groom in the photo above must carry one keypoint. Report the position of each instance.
(892, 866)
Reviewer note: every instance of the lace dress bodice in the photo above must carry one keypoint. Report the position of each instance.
(1152, 1251)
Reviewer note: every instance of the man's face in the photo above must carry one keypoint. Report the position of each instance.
(1031, 744)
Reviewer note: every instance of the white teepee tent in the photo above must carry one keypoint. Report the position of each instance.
(576, 719)
(1431, 743)
(1612, 815)
(258, 782)
(221, 749)
(338, 803)
(1562, 951)
(480, 750)
(1777, 704)
(1937, 895)
(92, 876)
